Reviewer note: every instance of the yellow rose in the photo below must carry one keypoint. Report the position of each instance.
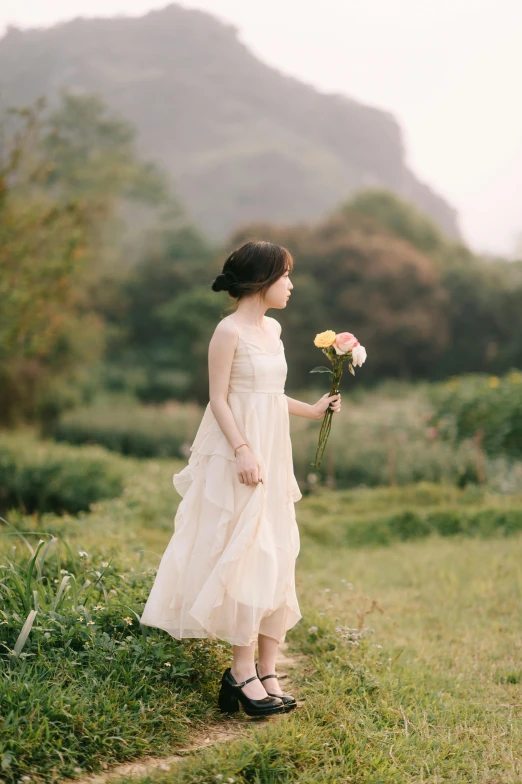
(325, 339)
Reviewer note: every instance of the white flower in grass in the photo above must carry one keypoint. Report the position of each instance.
(90, 623)
(312, 629)
(168, 664)
(128, 620)
(80, 619)
(4, 621)
(83, 554)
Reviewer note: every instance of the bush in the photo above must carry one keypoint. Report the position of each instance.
(380, 517)
(382, 438)
(415, 524)
(131, 429)
(46, 478)
(483, 406)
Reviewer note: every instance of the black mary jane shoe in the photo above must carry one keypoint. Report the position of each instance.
(231, 694)
(289, 701)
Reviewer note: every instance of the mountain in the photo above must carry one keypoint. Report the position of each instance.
(241, 140)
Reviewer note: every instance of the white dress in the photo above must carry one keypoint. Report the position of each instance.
(229, 569)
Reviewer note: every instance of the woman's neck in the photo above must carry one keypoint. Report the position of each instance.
(252, 314)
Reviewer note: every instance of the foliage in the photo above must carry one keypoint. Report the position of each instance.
(81, 681)
(448, 512)
(352, 274)
(400, 217)
(130, 429)
(44, 478)
(381, 628)
(483, 407)
(63, 177)
(94, 156)
(164, 317)
(42, 249)
(383, 437)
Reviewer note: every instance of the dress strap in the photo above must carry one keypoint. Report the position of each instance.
(236, 326)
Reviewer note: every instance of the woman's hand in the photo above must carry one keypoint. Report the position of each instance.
(323, 403)
(248, 469)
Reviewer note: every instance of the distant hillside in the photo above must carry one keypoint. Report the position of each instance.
(242, 141)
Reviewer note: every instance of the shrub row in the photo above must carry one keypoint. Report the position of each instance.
(130, 429)
(377, 442)
(44, 478)
(385, 529)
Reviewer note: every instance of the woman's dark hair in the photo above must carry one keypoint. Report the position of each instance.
(252, 268)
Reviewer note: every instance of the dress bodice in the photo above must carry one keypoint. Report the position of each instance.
(256, 370)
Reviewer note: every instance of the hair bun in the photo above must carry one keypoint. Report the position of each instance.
(224, 281)
(219, 283)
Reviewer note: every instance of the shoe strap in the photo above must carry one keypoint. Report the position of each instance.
(253, 678)
(279, 677)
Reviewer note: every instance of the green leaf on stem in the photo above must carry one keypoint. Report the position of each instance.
(321, 369)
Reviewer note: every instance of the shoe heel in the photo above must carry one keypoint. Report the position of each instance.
(227, 701)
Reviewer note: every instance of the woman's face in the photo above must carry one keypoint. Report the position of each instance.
(279, 292)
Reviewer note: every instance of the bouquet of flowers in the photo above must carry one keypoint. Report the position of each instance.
(339, 348)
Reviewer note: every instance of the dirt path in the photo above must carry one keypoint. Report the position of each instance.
(230, 729)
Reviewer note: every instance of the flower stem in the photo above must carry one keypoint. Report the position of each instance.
(327, 419)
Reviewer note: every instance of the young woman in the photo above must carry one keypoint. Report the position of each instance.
(229, 569)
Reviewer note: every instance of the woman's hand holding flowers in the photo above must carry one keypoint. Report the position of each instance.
(325, 403)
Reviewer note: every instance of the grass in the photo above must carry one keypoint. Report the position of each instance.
(413, 648)
(439, 701)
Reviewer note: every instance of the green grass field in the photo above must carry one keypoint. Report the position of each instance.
(412, 643)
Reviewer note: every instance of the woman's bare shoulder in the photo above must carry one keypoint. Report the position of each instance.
(226, 330)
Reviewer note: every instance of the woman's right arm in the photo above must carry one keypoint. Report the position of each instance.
(221, 352)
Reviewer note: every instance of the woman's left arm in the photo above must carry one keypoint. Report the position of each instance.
(315, 410)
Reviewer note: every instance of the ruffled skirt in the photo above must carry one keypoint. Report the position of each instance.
(229, 569)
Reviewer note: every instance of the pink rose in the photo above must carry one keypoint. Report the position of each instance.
(344, 342)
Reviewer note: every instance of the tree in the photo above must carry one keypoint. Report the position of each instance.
(399, 217)
(62, 181)
(42, 248)
(355, 275)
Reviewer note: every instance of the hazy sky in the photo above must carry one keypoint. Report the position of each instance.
(449, 70)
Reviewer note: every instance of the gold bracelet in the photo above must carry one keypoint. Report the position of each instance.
(237, 447)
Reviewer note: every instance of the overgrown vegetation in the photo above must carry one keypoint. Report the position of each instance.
(389, 435)
(407, 642)
(39, 477)
(485, 408)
